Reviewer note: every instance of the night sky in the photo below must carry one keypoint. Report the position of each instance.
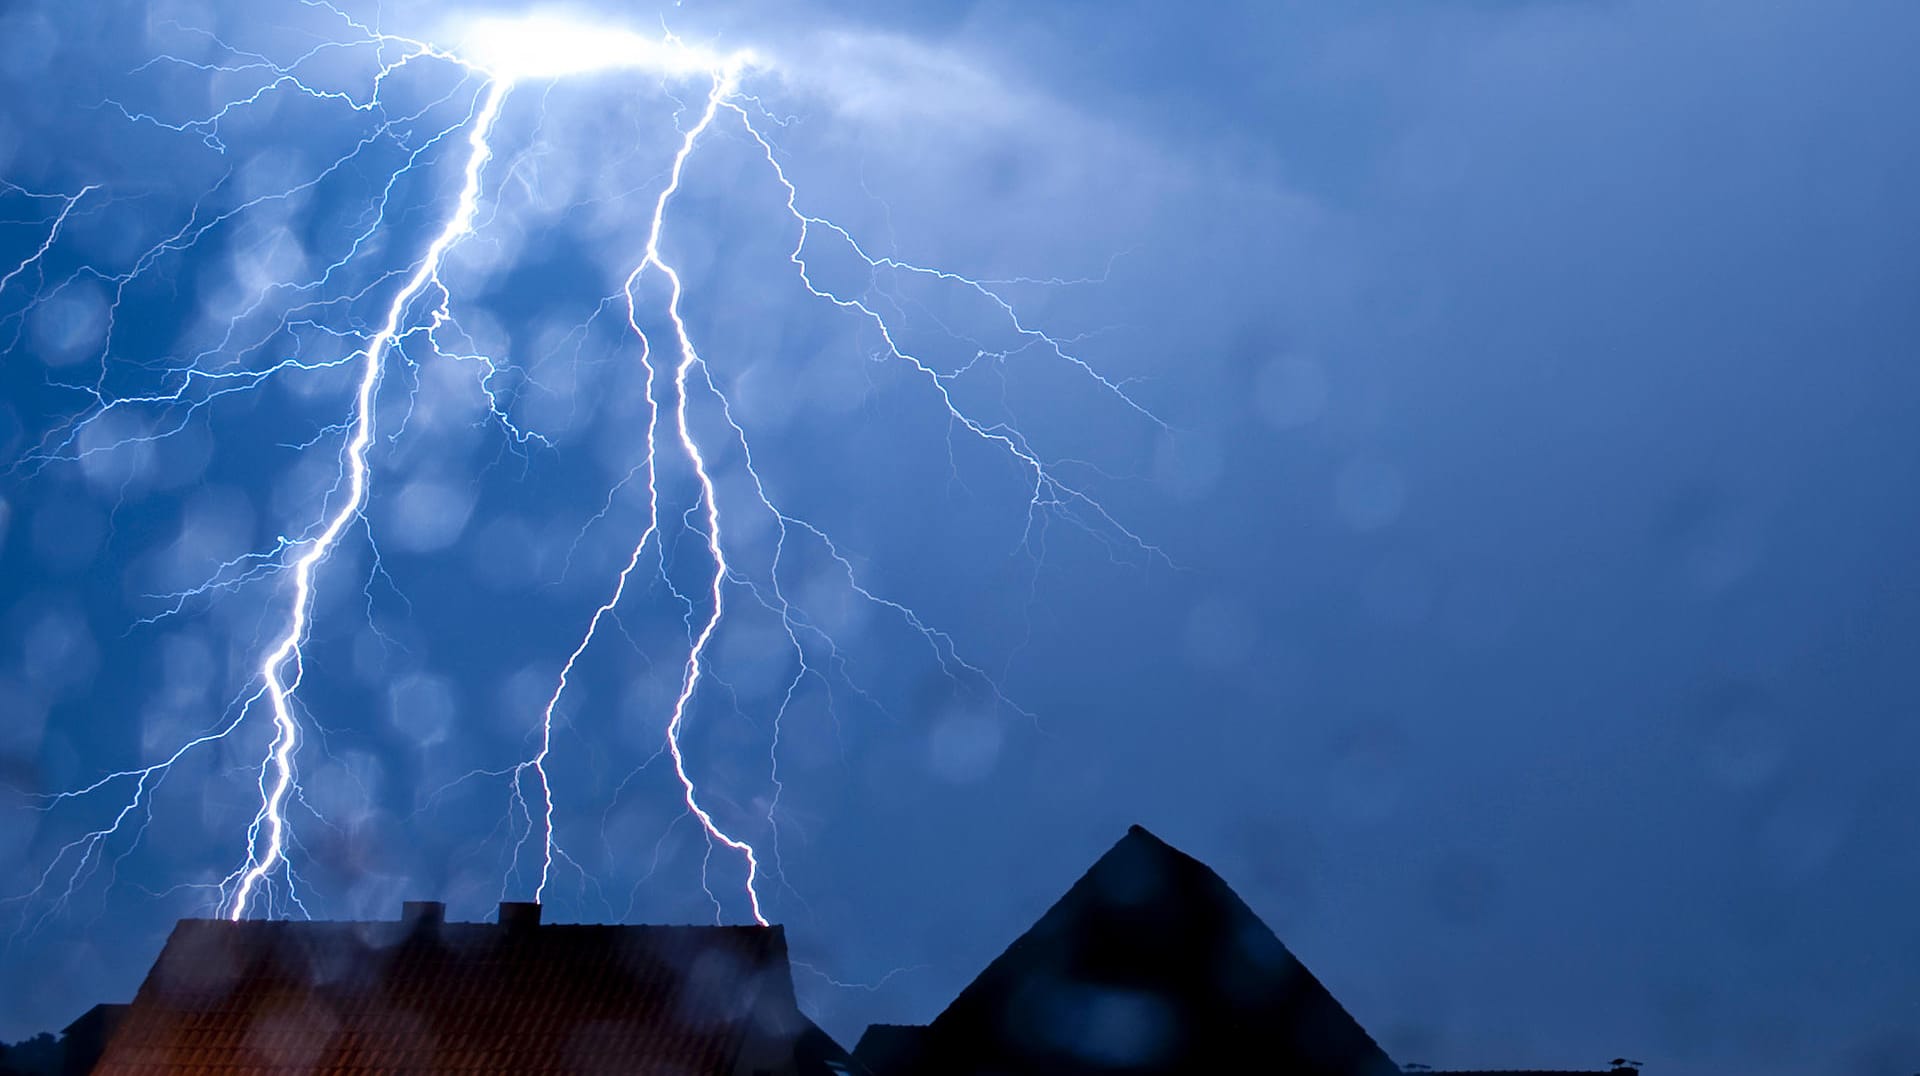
(1503, 419)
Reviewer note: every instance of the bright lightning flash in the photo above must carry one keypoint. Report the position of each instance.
(547, 47)
(492, 57)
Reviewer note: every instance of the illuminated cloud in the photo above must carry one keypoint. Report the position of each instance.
(554, 44)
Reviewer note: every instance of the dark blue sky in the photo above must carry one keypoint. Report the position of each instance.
(1541, 393)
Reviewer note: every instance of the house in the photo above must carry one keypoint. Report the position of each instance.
(423, 995)
(1150, 964)
(73, 1053)
(83, 1041)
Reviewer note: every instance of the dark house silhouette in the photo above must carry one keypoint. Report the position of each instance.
(425, 995)
(1150, 964)
(73, 1053)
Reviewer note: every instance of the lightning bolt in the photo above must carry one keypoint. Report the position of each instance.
(1047, 490)
(68, 203)
(196, 386)
(494, 56)
(277, 775)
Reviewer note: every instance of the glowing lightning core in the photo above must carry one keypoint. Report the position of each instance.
(546, 47)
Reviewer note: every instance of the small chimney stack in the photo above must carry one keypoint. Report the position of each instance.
(423, 913)
(519, 914)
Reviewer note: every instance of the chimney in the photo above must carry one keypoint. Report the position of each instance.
(519, 914)
(420, 913)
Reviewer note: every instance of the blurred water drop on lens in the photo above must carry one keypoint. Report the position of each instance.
(1801, 833)
(1369, 494)
(422, 707)
(1709, 536)
(1464, 888)
(68, 327)
(1290, 392)
(964, 746)
(25, 721)
(28, 44)
(1743, 736)
(59, 649)
(1220, 634)
(1114, 1029)
(427, 516)
(12, 433)
(116, 451)
(1188, 465)
(1366, 772)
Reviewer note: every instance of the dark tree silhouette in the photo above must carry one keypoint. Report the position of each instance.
(37, 1056)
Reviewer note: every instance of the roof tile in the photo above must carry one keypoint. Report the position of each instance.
(348, 999)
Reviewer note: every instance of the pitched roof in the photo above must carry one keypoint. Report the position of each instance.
(350, 998)
(891, 1048)
(1149, 963)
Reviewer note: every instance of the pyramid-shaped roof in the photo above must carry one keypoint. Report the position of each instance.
(1149, 963)
(429, 996)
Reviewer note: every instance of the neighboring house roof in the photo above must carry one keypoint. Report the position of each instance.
(430, 996)
(891, 1048)
(1149, 963)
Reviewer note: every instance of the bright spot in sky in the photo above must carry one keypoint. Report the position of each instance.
(552, 46)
